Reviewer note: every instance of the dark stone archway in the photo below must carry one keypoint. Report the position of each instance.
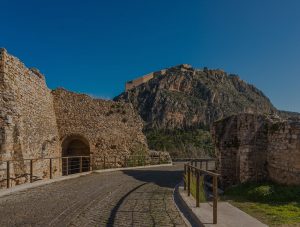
(76, 155)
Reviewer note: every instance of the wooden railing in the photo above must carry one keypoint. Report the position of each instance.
(192, 170)
(58, 166)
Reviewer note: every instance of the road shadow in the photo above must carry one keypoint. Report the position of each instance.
(162, 178)
(113, 213)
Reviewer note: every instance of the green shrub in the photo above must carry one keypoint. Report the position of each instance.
(181, 143)
(273, 204)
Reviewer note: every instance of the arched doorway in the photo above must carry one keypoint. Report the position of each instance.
(76, 155)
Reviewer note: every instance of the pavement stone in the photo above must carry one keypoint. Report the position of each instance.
(123, 198)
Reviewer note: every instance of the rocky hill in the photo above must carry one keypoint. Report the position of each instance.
(180, 101)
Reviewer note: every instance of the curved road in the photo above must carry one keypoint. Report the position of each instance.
(123, 198)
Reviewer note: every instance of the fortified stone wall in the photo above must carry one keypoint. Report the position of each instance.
(253, 147)
(141, 80)
(110, 128)
(27, 120)
(284, 152)
(138, 81)
(38, 124)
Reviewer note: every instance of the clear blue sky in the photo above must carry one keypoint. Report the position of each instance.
(95, 46)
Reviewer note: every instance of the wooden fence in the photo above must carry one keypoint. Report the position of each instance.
(199, 169)
(14, 172)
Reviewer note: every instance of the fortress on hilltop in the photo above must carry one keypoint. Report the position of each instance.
(141, 80)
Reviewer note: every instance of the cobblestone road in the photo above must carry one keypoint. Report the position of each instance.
(122, 198)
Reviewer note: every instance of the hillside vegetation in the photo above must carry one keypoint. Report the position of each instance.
(179, 105)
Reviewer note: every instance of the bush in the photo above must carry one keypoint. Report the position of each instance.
(273, 204)
(182, 143)
(265, 192)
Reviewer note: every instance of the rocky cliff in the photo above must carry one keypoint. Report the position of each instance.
(184, 97)
(178, 102)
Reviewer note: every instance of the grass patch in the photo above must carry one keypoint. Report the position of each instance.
(273, 204)
(202, 197)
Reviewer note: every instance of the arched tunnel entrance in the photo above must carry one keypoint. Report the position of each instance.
(76, 155)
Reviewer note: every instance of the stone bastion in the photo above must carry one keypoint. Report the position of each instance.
(36, 122)
(144, 79)
(255, 148)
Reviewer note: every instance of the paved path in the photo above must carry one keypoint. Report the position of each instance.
(122, 198)
(228, 215)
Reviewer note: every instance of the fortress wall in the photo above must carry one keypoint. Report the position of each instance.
(284, 152)
(241, 143)
(254, 147)
(34, 123)
(139, 81)
(111, 128)
(27, 121)
(226, 142)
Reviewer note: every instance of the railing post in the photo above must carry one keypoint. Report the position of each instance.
(206, 165)
(67, 171)
(50, 168)
(200, 164)
(125, 161)
(7, 174)
(104, 164)
(80, 164)
(197, 188)
(189, 180)
(184, 177)
(31, 170)
(91, 163)
(215, 194)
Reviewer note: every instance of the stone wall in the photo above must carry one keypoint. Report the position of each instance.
(284, 152)
(134, 83)
(253, 147)
(110, 128)
(27, 120)
(36, 123)
(141, 80)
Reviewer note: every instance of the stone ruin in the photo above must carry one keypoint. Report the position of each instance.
(36, 122)
(257, 148)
